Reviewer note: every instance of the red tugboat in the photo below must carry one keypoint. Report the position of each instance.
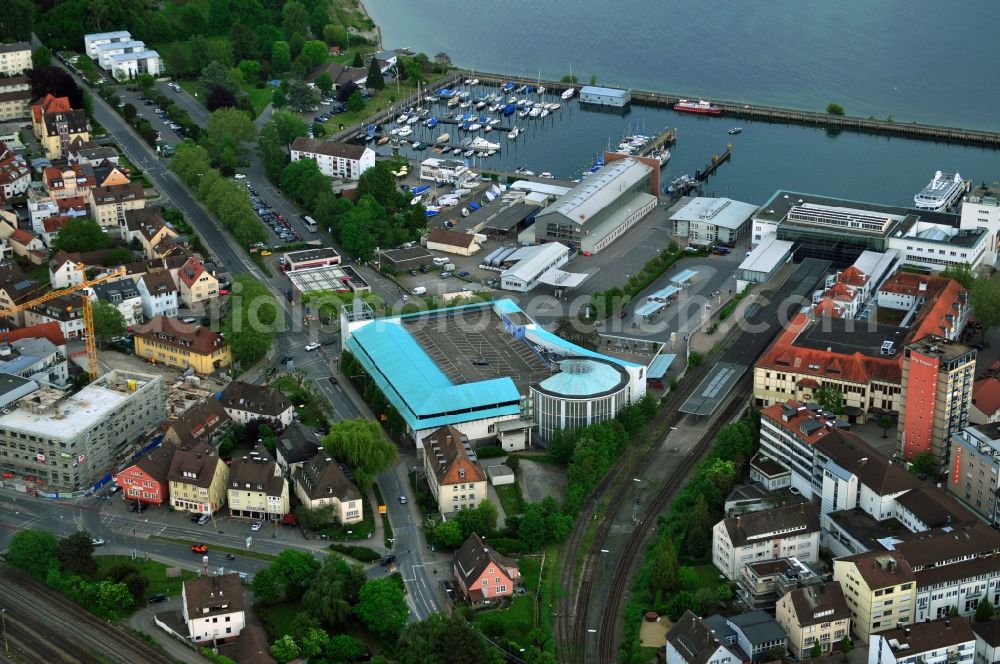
(700, 106)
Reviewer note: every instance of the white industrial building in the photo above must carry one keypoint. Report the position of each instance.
(707, 221)
(763, 262)
(592, 94)
(444, 171)
(335, 159)
(599, 210)
(532, 263)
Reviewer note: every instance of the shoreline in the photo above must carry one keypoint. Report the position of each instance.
(378, 28)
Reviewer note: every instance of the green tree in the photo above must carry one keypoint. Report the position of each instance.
(448, 534)
(334, 591)
(845, 646)
(129, 112)
(986, 302)
(285, 649)
(133, 579)
(216, 75)
(227, 130)
(382, 608)
(33, 551)
(108, 321)
(834, 109)
(81, 234)
(303, 180)
(294, 19)
(699, 528)
(296, 569)
(679, 603)
(925, 466)
(663, 575)
(356, 102)
(375, 80)
(278, 98)
(252, 319)
(190, 162)
(281, 57)
(250, 69)
(361, 444)
(313, 53)
(325, 83)
(443, 640)
(334, 35)
(481, 519)
(569, 78)
(301, 97)
(113, 597)
(345, 648)
(593, 79)
(272, 150)
(817, 650)
(267, 586)
(532, 530)
(960, 273)
(145, 83)
(41, 56)
(314, 643)
(357, 62)
(884, 423)
(831, 398)
(984, 611)
(289, 126)
(17, 20)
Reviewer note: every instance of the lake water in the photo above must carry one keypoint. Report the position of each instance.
(766, 156)
(917, 60)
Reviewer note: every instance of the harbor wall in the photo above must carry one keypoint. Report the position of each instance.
(790, 116)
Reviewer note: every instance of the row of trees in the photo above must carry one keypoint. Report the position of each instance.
(68, 565)
(611, 301)
(252, 320)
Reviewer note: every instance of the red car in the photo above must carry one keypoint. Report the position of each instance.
(199, 548)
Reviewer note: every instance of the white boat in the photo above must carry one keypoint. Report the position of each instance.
(567, 94)
(521, 103)
(416, 199)
(464, 104)
(663, 155)
(494, 122)
(474, 81)
(404, 131)
(541, 89)
(534, 112)
(443, 138)
(941, 192)
(475, 127)
(395, 131)
(545, 113)
(464, 94)
(413, 119)
(512, 100)
(465, 212)
(490, 153)
(512, 134)
(546, 175)
(554, 106)
(522, 113)
(469, 153)
(480, 105)
(453, 102)
(479, 143)
(402, 118)
(487, 128)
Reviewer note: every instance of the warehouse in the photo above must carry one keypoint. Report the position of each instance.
(404, 259)
(599, 210)
(530, 263)
(592, 94)
(307, 258)
(763, 262)
(709, 221)
(450, 242)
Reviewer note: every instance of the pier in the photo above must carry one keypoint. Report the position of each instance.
(665, 139)
(717, 160)
(791, 116)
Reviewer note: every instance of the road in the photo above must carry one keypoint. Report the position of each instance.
(319, 365)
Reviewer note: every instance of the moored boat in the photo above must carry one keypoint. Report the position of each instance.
(443, 138)
(701, 106)
(941, 192)
(512, 134)
(735, 130)
(567, 94)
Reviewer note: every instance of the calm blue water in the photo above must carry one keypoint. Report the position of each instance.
(919, 60)
(766, 156)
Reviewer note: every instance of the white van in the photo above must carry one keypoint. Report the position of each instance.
(440, 261)
(420, 290)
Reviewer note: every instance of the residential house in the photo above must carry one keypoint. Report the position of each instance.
(246, 402)
(109, 204)
(15, 288)
(50, 331)
(196, 284)
(974, 477)
(47, 104)
(37, 359)
(90, 152)
(252, 646)
(186, 346)
(814, 614)
(335, 159)
(67, 310)
(483, 574)
(93, 42)
(296, 445)
(15, 98)
(66, 270)
(454, 475)
(880, 588)
(256, 488)
(692, 641)
(341, 74)
(158, 294)
(944, 641)
(147, 226)
(15, 174)
(15, 58)
(781, 532)
(73, 181)
(146, 479)
(124, 296)
(757, 634)
(205, 422)
(987, 641)
(197, 480)
(60, 128)
(985, 400)
(28, 246)
(762, 584)
(42, 209)
(213, 608)
(320, 481)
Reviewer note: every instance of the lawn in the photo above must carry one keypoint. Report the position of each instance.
(707, 577)
(259, 97)
(355, 531)
(531, 569)
(218, 548)
(510, 498)
(380, 102)
(513, 623)
(155, 572)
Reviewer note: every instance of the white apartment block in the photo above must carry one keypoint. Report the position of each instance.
(335, 159)
(781, 532)
(14, 58)
(93, 42)
(981, 209)
(945, 641)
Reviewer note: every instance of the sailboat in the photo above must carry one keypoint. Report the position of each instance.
(570, 91)
(512, 134)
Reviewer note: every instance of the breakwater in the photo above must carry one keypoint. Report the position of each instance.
(774, 114)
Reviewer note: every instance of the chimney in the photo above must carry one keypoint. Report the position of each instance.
(947, 624)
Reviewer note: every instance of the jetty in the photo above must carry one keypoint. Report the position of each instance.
(713, 165)
(666, 139)
(779, 115)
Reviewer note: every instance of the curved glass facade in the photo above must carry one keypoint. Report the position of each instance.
(554, 412)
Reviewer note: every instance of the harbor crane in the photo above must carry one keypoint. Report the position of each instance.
(88, 313)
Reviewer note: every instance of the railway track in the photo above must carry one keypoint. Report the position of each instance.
(43, 626)
(570, 628)
(608, 640)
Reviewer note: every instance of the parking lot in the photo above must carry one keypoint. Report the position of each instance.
(281, 227)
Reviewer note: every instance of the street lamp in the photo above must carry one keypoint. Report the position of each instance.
(3, 617)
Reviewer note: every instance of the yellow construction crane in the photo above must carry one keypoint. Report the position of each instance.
(88, 313)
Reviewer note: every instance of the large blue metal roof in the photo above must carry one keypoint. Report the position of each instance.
(417, 388)
(581, 378)
(541, 335)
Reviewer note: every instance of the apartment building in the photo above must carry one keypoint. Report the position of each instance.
(168, 341)
(320, 481)
(944, 641)
(781, 532)
(145, 480)
(213, 608)
(247, 402)
(335, 159)
(880, 588)
(60, 129)
(123, 296)
(196, 284)
(109, 204)
(70, 442)
(257, 489)
(974, 469)
(454, 475)
(814, 614)
(15, 98)
(14, 58)
(158, 294)
(197, 479)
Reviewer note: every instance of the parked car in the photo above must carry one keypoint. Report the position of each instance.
(463, 273)
(446, 275)
(96, 541)
(230, 556)
(402, 499)
(256, 525)
(199, 548)
(203, 519)
(157, 598)
(312, 345)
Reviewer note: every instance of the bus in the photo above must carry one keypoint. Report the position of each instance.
(310, 224)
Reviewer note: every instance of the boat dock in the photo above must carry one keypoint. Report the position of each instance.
(792, 116)
(666, 139)
(717, 160)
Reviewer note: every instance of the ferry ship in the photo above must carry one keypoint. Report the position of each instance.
(941, 192)
(700, 106)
